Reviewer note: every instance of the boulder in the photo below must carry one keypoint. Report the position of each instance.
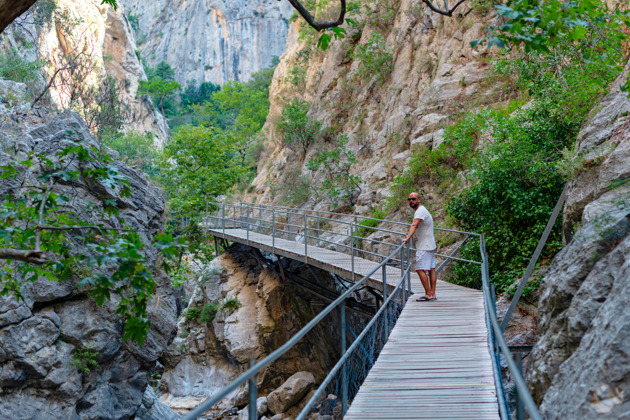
(154, 409)
(290, 392)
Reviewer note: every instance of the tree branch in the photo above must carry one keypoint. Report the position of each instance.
(447, 11)
(26, 255)
(319, 26)
(49, 84)
(11, 9)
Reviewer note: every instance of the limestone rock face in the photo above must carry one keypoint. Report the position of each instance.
(40, 334)
(206, 356)
(290, 392)
(435, 74)
(580, 366)
(211, 41)
(103, 40)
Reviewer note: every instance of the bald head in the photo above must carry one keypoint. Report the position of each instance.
(414, 200)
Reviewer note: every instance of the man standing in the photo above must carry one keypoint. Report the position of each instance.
(422, 227)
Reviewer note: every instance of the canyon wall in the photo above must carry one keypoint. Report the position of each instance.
(433, 77)
(210, 40)
(580, 366)
(97, 37)
(209, 352)
(40, 335)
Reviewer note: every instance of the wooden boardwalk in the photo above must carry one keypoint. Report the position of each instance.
(435, 364)
(331, 261)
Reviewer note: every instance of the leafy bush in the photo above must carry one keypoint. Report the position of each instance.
(375, 58)
(84, 359)
(298, 128)
(135, 149)
(209, 312)
(14, 67)
(438, 167)
(365, 225)
(515, 175)
(192, 314)
(339, 184)
(231, 303)
(296, 188)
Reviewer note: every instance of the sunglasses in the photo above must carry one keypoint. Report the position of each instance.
(411, 199)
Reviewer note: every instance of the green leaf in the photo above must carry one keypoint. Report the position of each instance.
(324, 41)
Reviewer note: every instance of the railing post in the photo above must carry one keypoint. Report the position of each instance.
(253, 394)
(402, 274)
(223, 217)
(247, 226)
(273, 230)
(206, 221)
(386, 311)
(288, 225)
(520, 406)
(305, 241)
(410, 262)
(356, 245)
(344, 369)
(317, 232)
(241, 218)
(352, 249)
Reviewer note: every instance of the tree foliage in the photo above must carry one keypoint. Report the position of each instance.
(198, 164)
(43, 238)
(515, 177)
(298, 129)
(339, 184)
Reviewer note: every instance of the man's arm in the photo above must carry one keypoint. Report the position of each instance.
(412, 229)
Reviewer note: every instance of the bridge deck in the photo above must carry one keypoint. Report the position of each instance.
(332, 261)
(435, 364)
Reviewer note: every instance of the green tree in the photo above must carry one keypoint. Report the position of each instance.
(135, 149)
(195, 94)
(339, 184)
(158, 89)
(198, 164)
(298, 129)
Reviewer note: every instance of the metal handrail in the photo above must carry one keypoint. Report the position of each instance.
(495, 337)
(497, 343)
(252, 371)
(309, 405)
(353, 237)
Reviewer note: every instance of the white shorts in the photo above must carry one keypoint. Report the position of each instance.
(425, 260)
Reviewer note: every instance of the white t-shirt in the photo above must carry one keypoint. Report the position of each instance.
(423, 237)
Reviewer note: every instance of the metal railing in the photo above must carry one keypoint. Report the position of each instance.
(403, 251)
(341, 232)
(348, 233)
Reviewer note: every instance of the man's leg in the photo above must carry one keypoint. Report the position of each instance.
(425, 282)
(433, 278)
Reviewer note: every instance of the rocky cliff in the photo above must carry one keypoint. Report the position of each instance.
(580, 366)
(211, 351)
(41, 334)
(388, 110)
(100, 43)
(210, 41)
